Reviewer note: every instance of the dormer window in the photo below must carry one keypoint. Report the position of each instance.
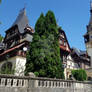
(64, 43)
(86, 38)
(90, 37)
(61, 36)
(61, 42)
(8, 35)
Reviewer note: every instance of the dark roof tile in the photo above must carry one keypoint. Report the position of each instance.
(21, 21)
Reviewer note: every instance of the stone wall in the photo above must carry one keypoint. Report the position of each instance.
(29, 84)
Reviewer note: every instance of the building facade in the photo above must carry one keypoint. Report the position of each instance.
(15, 44)
(72, 58)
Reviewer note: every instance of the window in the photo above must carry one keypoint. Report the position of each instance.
(6, 68)
(91, 36)
(60, 41)
(64, 43)
(64, 58)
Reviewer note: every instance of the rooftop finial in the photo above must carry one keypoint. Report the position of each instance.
(25, 6)
(22, 10)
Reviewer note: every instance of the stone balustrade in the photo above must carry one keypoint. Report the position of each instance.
(36, 83)
(11, 81)
(56, 83)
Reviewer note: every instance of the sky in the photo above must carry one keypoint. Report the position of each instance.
(72, 15)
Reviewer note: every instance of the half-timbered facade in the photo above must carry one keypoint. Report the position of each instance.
(16, 43)
(64, 51)
(64, 46)
(72, 58)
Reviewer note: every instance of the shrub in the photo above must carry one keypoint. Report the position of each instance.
(79, 75)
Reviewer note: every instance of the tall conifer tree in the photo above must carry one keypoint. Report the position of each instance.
(44, 56)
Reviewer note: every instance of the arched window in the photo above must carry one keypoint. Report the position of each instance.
(7, 68)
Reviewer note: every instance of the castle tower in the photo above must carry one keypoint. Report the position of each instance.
(88, 35)
(16, 43)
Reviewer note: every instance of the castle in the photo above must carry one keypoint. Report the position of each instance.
(18, 37)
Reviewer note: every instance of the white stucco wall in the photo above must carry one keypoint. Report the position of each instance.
(18, 63)
(28, 38)
(70, 64)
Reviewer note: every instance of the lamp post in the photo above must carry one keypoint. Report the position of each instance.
(25, 49)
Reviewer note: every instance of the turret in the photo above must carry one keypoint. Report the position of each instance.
(88, 35)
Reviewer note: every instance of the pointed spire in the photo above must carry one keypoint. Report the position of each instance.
(90, 22)
(23, 11)
(90, 6)
(21, 20)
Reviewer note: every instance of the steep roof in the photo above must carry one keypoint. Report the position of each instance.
(62, 47)
(21, 21)
(79, 52)
(90, 21)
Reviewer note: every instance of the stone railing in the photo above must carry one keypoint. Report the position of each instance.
(37, 83)
(13, 81)
(58, 83)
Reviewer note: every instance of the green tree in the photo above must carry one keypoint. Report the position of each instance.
(40, 26)
(79, 75)
(43, 57)
(1, 38)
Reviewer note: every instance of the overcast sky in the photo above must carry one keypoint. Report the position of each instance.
(71, 15)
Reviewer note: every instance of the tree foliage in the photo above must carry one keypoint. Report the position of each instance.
(40, 26)
(79, 75)
(43, 58)
(1, 38)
